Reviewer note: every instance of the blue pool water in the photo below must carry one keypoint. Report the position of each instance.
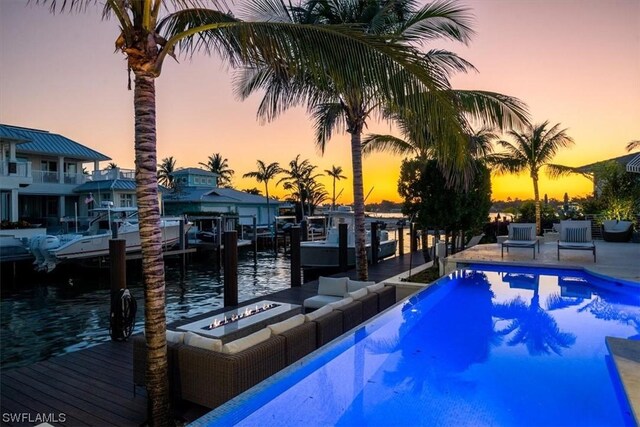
(485, 346)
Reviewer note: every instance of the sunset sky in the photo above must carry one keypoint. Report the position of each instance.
(574, 62)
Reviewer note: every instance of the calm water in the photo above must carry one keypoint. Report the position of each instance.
(503, 346)
(67, 310)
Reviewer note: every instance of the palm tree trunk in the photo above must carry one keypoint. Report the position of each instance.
(151, 241)
(358, 206)
(536, 196)
(333, 205)
(266, 190)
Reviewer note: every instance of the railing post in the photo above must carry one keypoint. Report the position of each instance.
(255, 239)
(296, 276)
(412, 238)
(304, 230)
(401, 240)
(375, 243)
(230, 268)
(343, 254)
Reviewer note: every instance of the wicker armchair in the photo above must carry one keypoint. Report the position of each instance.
(351, 315)
(369, 305)
(617, 231)
(140, 366)
(210, 378)
(300, 341)
(386, 297)
(328, 327)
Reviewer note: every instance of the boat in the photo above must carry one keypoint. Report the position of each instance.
(49, 250)
(324, 253)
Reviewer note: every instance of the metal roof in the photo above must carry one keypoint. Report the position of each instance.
(216, 195)
(106, 185)
(43, 142)
(194, 171)
(634, 165)
(622, 160)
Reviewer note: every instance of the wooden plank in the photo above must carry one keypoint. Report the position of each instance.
(122, 360)
(35, 392)
(16, 402)
(72, 397)
(89, 368)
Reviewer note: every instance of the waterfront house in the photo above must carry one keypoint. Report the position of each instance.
(630, 162)
(196, 192)
(39, 172)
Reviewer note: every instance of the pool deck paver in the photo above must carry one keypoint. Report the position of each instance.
(616, 260)
(626, 356)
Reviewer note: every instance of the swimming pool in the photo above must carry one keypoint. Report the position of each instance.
(487, 345)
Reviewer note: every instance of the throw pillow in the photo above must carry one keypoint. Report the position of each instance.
(576, 235)
(285, 325)
(249, 341)
(195, 340)
(175, 337)
(341, 303)
(376, 287)
(354, 285)
(360, 293)
(310, 317)
(335, 286)
(521, 233)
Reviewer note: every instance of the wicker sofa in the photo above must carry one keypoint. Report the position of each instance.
(206, 372)
(617, 231)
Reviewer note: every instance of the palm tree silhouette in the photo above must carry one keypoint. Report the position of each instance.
(336, 173)
(166, 168)
(339, 108)
(531, 324)
(216, 164)
(265, 173)
(533, 150)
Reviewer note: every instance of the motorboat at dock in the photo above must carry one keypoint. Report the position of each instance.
(324, 253)
(49, 250)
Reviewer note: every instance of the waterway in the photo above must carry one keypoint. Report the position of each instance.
(44, 315)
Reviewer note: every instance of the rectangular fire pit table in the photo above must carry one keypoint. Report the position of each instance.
(244, 324)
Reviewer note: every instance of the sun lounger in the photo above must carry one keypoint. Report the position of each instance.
(576, 235)
(521, 235)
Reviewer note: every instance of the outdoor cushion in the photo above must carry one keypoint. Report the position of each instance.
(576, 235)
(285, 325)
(199, 341)
(354, 285)
(360, 293)
(341, 303)
(336, 286)
(376, 287)
(249, 341)
(175, 337)
(310, 317)
(320, 301)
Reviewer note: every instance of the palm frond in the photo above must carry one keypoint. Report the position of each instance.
(633, 145)
(375, 143)
(556, 171)
(493, 109)
(437, 20)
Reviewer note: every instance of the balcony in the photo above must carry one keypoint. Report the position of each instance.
(15, 169)
(46, 177)
(115, 173)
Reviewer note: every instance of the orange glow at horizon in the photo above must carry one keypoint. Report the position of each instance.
(61, 75)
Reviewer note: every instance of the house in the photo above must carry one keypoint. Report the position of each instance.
(39, 172)
(630, 162)
(196, 193)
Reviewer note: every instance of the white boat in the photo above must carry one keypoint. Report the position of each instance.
(50, 250)
(324, 253)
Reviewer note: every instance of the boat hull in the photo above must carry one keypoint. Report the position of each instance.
(321, 254)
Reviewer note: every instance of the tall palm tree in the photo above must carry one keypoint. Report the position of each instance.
(533, 150)
(218, 165)
(340, 108)
(295, 177)
(336, 173)
(112, 165)
(151, 30)
(166, 168)
(265, 173)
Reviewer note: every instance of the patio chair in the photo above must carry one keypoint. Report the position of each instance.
(521, 235)
(617, 231)
(474, 241)
(576, 235)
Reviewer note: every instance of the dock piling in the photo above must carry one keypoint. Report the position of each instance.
(401, 240)
(230, 268)
(296, 276)
(375, 243)
(343, 257)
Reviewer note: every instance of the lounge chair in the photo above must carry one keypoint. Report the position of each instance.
(474, 241)
(617, 231)
(521, 235)
(576, 235)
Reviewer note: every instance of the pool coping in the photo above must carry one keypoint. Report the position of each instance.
(626, 357)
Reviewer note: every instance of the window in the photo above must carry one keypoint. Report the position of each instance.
(106, 197)
(126, 200)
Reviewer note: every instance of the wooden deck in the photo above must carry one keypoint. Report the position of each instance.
(94, 386)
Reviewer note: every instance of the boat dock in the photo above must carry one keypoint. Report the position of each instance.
(94, 386)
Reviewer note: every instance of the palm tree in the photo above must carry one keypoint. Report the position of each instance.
(265, 173)
(166, 168)
(112, 165)
(151, 30)
(218, 165)
(336, 173)
(340, 108)
(633, 145)
(532, 150)
(295, 178)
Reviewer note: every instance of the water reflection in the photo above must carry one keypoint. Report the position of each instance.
(530, 324)
(68, 311)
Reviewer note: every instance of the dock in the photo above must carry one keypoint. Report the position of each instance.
(94, 386)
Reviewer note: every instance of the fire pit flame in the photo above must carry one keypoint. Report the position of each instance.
(216, 323)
